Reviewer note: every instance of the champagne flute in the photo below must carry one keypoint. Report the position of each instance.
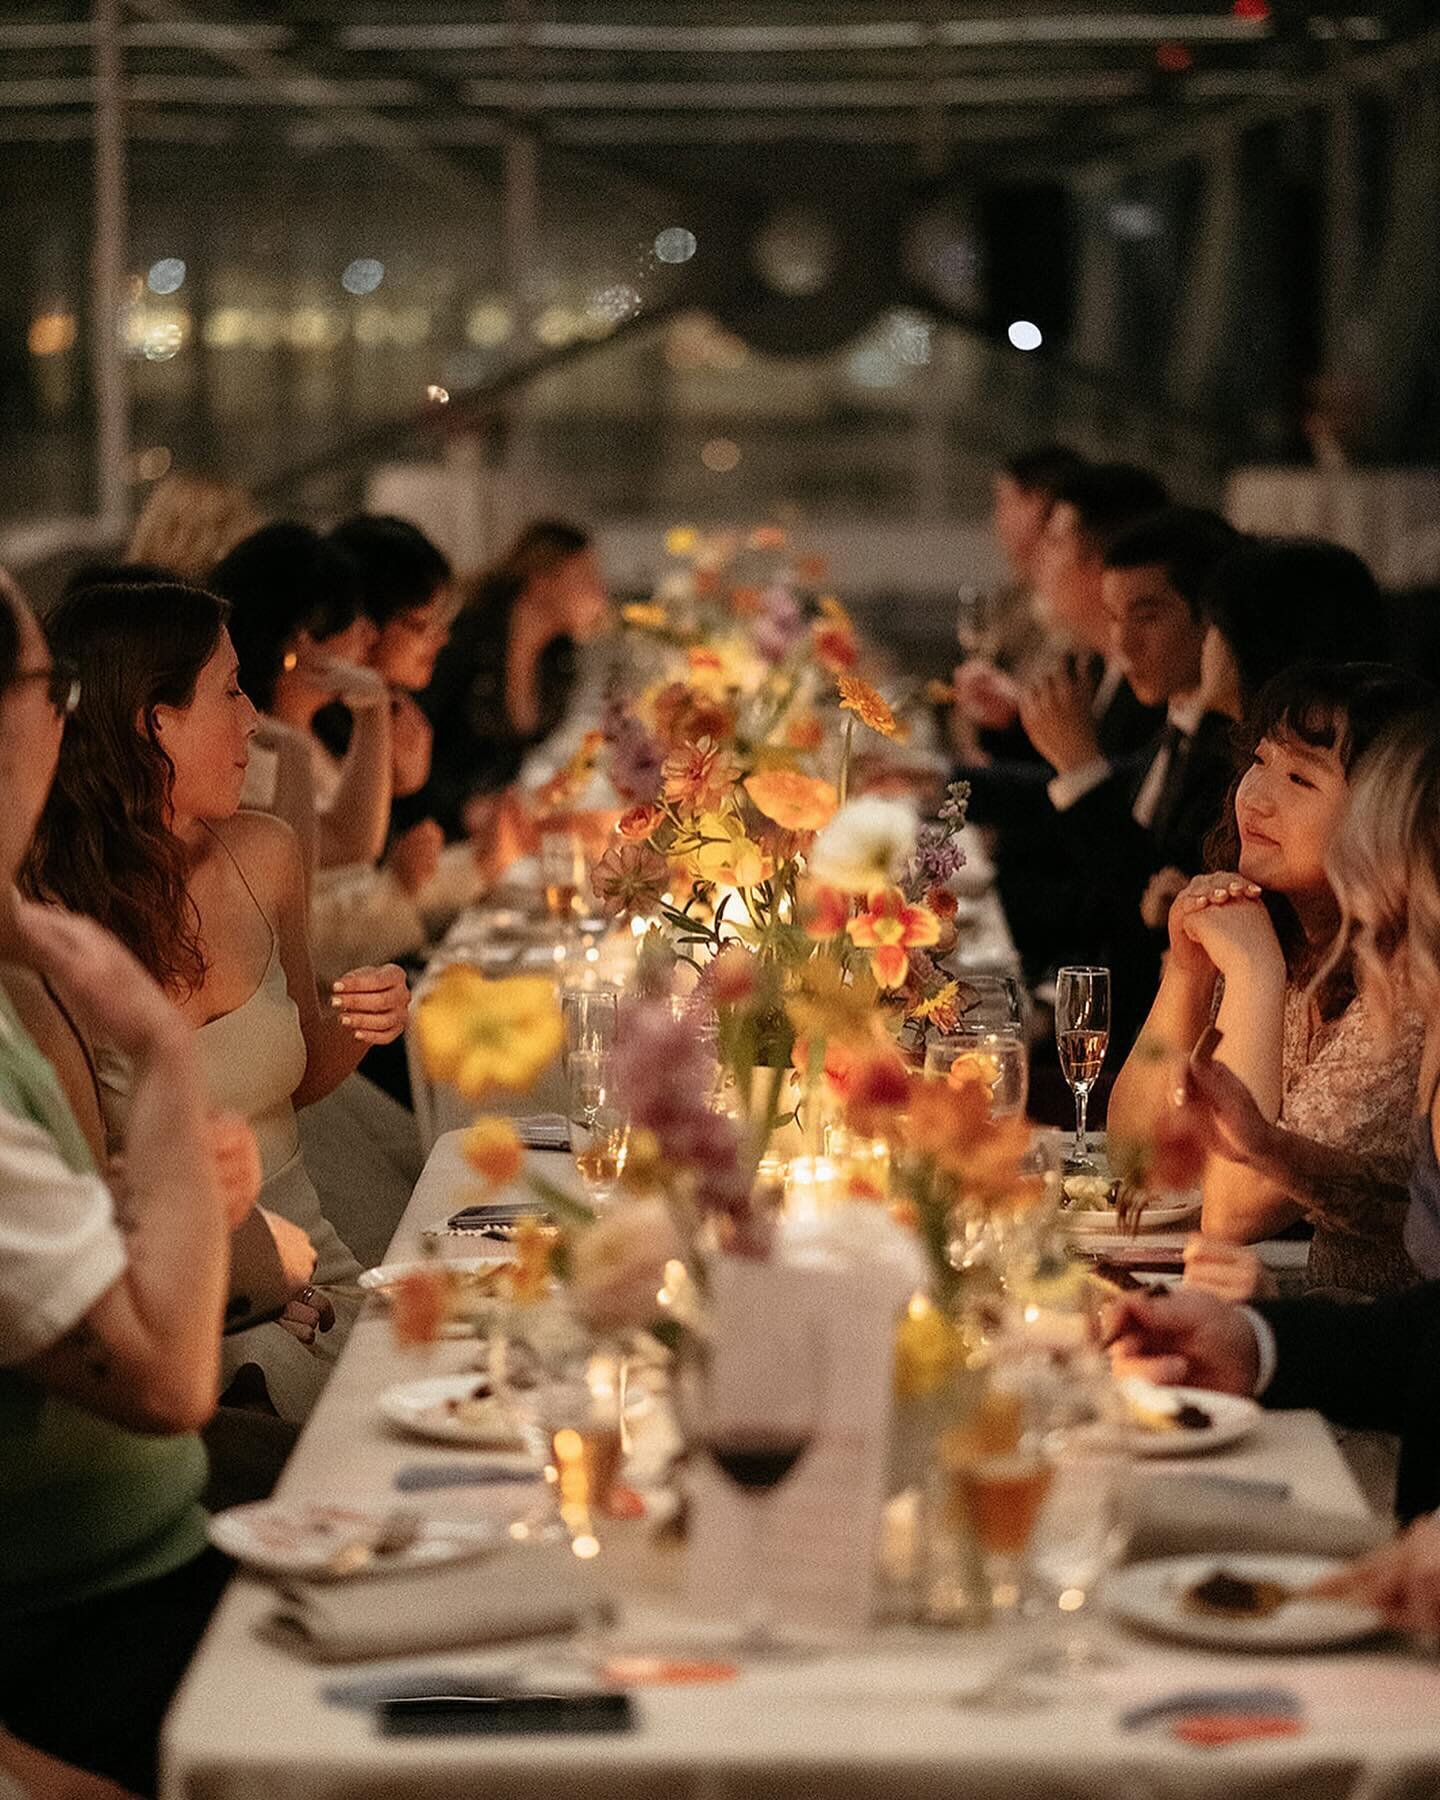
(1082, 1034)
(591, 1017)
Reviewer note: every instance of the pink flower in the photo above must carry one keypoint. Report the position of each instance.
(630, 878)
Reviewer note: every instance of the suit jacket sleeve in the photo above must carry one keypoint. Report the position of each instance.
(1117, 855)
(1352, 1361)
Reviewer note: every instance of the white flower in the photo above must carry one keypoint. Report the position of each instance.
(866, 845)
(618, 1265)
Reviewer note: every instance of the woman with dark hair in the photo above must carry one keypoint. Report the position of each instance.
(302, 639)
(1272, 598)
(506, 679)
(143, 830)
(1246, 946)
(110, 1315)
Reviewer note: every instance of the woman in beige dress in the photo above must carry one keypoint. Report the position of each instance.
(143, 831)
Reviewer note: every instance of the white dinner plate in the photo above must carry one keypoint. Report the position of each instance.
(302, 1537)
(1232, 1417)
(1149, 1594)
(1083, 1221)
(380, 1282)
(423, 1409)
(388, 1275)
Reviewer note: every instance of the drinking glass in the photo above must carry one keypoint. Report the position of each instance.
(1082, 1529)
(999, 1059)
(974, 620)
(756, 1420)
(1082, 1034)
(564, 871)
(591, 1016)
(996, 1003)
(601, 1147)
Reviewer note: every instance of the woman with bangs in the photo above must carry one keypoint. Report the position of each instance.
(1256, 948)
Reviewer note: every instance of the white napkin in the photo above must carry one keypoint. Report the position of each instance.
(1182, 1515)
(521, 1591)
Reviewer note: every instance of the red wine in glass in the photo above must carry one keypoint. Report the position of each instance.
(757, 1460)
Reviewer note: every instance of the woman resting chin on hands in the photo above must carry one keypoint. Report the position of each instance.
(1247, 946)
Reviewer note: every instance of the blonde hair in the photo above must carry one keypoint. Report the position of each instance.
(189, 523)
(1384, 866)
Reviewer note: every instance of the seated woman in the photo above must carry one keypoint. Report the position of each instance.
(110, 1317)
(1246, 946)
(143, 830)
(302, 639)
(506, 679)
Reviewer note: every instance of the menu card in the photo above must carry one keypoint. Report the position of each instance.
(815, 1552)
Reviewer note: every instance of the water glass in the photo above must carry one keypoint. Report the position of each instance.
(998, 1059)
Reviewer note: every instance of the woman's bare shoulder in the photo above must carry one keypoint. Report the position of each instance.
(266, 850)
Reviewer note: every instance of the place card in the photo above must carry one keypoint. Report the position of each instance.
(815, 1553)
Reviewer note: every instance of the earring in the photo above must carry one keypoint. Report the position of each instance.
(290, 662)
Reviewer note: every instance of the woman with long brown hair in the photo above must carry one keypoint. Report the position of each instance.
(505, 680)
(143, 831)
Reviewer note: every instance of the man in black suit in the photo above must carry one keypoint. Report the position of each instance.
(1042, 889)
(1127, 818)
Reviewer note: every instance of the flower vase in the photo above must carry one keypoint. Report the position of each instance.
(787, 1135)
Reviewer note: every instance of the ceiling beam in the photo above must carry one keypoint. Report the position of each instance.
(1097, 89)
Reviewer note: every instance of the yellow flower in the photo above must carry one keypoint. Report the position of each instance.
(831, 609)
(869, 706)
(680, 540)
(493, 1151)
(646, 615)
(728, 856)
(824, 1004)
(889, 930)
(795, 801)
(481, 1035)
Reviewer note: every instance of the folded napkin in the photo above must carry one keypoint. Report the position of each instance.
(544, 1131)
(1184, 1515)
(522, 1591)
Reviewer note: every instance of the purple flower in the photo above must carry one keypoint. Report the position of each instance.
(937, 857)
(663, 1070)
(778, 625)
(636, 759)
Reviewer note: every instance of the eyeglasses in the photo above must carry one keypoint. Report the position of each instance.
(62, 684)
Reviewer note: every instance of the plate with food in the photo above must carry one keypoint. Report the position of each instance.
(1179, 1421)
(473, 1280)
(1238, 1602)
(463, 1409)
(1089, 1206)
(328, 1540)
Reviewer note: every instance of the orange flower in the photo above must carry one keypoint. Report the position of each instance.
(745, 601)
(834, 647)
(942, 903)
(889, 931)
(700, 777)
(797, 802)
(869, 706)
(645, 615)
(824, 911)
(948, 1123)
(731, 979)
(493, 1151)
(683, 717)
(803, 731)
(637, 824)
(835, 613)
(877, 1090)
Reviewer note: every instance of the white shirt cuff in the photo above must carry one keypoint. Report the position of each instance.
(1074, 784)
(1265, 1349)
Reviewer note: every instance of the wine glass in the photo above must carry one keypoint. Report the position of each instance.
(974, 620)
(755, 1415)
(599, 1130)
(1082, 1034)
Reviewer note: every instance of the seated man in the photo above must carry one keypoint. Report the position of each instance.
(1127, 818)
(1370, 1366)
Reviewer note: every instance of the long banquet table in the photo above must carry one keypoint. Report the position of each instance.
(872, 1718)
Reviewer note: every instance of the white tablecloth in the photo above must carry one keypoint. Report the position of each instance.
(252, 1722)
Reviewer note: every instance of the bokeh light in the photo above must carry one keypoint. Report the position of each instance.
(720, 455)
(675, 244)
(1025, 336)
(363, 275)
(166, 276)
